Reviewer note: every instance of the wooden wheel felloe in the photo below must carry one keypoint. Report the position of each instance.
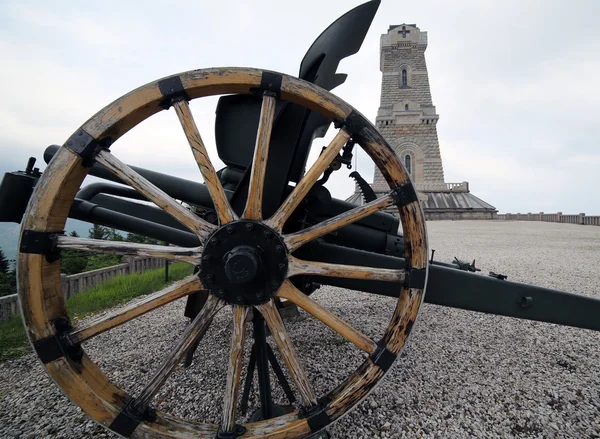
(59, 345)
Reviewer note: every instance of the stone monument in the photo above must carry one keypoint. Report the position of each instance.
(407, 119)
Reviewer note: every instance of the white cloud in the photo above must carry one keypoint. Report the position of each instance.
(518, 99)
(585, 160)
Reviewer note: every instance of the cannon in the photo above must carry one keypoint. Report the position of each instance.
(262, 231)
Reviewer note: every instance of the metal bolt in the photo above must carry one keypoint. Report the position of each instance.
(267, 234)
(206, 259)
(279, 248)
(525, 302)
(281, 267)
(214, 242)
(274, 284)
(230, 229)
(259, 295)
(79, 133)
(249, 226)
(209, 278)
(220, 293)
(239, 299)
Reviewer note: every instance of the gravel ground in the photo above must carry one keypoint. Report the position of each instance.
(462, 374)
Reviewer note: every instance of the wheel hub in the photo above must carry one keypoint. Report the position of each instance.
(244, 263)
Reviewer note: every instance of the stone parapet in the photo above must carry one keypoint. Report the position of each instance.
(559, 217)
(442, 187)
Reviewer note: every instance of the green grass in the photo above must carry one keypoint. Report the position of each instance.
(13, 340)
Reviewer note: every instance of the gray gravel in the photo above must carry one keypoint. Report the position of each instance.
(462, 374)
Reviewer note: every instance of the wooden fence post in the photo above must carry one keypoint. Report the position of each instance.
(64, 285)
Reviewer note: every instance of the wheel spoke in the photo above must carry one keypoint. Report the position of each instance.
(185, 254)
(222, 206)
(253, 208)
(290, 292)
(180, 289)
(306, 183)
(288, 352)
(197, 225)
(298, 239)
(194, 332)
(298, 266)
(234, 369)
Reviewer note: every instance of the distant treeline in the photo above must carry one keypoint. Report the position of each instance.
(8, 276)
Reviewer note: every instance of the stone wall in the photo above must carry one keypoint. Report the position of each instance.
(559, 217)
(417, 91)
(436, 215)
(423, 141)
(451, 214)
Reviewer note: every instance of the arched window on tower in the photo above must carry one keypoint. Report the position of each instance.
(404, 78)
(405, 107)
(407, 164)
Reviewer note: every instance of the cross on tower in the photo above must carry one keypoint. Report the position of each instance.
(403, 31)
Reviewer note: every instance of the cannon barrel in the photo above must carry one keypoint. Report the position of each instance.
(179, 188)
(90, 212)
(375, 233)
(449, 286)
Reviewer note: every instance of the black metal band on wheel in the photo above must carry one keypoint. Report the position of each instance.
(86, 146)
(382, 357)
(128, 419)
(52, 348)
(239, 431)
(404, 195)
(40, 243)
(172, 90)
(415, 278)
(355, 124)
(270, 83)
(82, 144)
(316, 416)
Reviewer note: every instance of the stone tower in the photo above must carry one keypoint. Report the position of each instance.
(407, 117)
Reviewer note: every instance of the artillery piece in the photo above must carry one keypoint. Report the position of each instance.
(260, 231)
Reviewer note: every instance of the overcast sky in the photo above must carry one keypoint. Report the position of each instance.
(515, 83)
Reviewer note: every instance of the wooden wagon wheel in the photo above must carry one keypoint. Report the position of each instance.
(58, 345)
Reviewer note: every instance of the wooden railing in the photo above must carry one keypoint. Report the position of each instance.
(76, 283)
(558, 217)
